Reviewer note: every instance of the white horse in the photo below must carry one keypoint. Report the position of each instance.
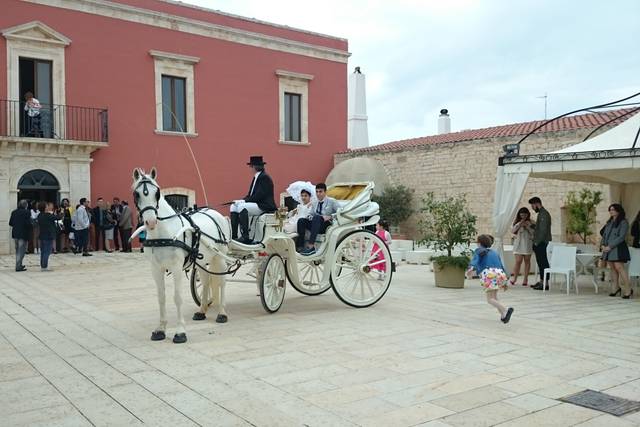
(162, 222)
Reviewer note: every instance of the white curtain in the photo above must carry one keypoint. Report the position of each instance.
(509, 189)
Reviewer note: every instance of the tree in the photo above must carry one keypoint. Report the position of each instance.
(581, 212)
(447, 223)
(395, 204)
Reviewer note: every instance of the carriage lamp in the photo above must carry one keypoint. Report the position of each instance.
(511, 150)
(281, 216)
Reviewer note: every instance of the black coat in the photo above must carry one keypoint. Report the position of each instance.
(20, 222)
(262, 193)
(635, 233)
(47, 224)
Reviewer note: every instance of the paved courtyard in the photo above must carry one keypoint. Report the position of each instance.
(75, 350)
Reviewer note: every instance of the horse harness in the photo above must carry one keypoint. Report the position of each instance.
(193, 251)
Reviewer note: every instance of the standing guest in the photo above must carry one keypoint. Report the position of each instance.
(486, 262)
(20, 223)
(322, 216)
(66, 222)
(109, 225)
(382, 231)
(116, 211)
(125, 226)
(32, 107)
(635, 231)
(615, 250)
(142, 236)
(97, 218)
(523, 229)
(59, 214)
(82, 223)
(91, 232)
(35, 230)
(48, 229)
(258, 200)
(541, 239)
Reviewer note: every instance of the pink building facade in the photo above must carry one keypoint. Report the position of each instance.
(128, 83)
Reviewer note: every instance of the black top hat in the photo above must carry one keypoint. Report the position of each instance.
(256, 161)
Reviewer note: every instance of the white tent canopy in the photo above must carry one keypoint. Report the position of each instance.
(612, 157)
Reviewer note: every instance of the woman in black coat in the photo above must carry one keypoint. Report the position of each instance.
(615, 250)
(635, 231)
(48, 232)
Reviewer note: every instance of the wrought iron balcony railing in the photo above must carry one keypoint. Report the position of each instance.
(53, 122)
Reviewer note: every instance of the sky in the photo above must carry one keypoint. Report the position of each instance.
(488, 62)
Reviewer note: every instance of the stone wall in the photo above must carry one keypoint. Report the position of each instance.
(469, 167)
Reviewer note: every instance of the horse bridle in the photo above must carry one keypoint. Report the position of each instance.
(145, 191)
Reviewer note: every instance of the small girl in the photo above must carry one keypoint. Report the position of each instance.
(382, 231)
(487, 263)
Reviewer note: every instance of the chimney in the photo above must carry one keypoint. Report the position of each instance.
(358, 135)
(444, 122)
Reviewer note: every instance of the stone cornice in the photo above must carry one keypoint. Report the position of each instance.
(174, 57)
(192, 26)
(294, 75)
(51, 36)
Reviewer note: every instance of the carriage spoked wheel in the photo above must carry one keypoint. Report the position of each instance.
(195, 284)
(362, 271)
(310, 274)
(272, 282)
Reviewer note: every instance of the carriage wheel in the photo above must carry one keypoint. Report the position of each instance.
(196, 287)
(272, 281)
(310, 274)
(361, 275)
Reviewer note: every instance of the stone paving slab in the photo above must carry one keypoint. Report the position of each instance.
(75, 350)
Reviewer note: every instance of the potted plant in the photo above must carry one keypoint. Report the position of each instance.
(581, 212)
(446, 224)
(395, 206)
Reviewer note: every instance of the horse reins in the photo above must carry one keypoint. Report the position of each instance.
(193, 251)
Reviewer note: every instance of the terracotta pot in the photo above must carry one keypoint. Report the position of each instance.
(448, 276)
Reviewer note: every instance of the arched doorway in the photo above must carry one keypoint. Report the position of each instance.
(38, 186)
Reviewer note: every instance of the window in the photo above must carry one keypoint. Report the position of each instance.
(174, 104)
(175, 94)
(292, 116)
(294, 107)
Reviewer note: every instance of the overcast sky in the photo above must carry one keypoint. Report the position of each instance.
(486, 61)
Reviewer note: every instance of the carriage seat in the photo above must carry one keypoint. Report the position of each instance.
(258, 225)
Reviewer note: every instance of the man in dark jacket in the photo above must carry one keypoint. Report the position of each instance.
(20, 223)
(541, 238)
(257, 201)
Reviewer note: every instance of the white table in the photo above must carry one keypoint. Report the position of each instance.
(586, 259)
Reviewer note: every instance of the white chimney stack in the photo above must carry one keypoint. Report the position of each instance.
(444, 122)
(358, 135)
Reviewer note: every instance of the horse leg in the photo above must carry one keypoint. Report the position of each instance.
(181, 334)
(218, 288)
(159, 333)
(204, 298)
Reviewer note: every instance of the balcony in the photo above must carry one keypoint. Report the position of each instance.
(63, 124)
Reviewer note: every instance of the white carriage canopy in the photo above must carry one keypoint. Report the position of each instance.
(612, 158)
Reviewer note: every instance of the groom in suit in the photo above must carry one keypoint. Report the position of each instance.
(258, 200)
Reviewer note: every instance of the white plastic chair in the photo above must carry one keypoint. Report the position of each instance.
(634, 265)
(563, 261)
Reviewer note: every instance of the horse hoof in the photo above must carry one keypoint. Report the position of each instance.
(222, 318)
(180, 338)
(199, 316)
(157, 336)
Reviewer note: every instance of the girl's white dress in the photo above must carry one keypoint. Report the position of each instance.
(302, 211)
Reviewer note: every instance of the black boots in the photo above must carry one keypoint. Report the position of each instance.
(241, 219)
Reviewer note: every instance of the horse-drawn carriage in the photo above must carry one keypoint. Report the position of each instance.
(353, 261)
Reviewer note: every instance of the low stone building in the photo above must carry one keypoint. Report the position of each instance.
(466, 161)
